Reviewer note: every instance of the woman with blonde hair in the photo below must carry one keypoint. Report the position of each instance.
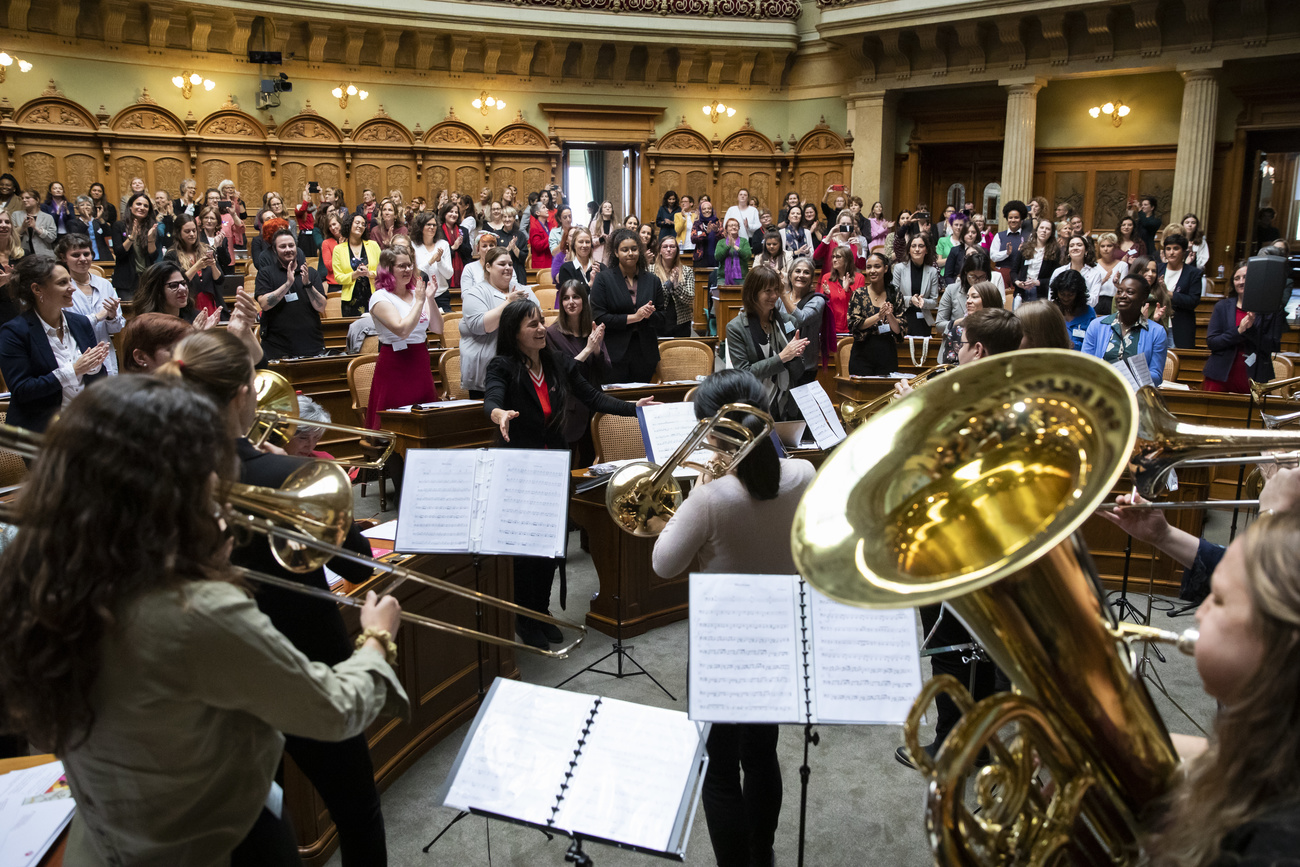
(1043, 326)
(679, 287)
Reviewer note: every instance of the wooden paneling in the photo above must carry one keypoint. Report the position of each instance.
(1099, 181)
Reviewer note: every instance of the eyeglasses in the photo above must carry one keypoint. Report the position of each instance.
(175, 284)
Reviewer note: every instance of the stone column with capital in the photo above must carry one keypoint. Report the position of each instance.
(1194, 164)
(1018, 146)
(874, 123)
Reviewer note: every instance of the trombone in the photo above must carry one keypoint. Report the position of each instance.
(305, 522)
(855, 413)
(643, 496)
(1261, 390)
(277, 416)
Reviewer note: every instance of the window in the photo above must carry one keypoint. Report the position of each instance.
(992, 207)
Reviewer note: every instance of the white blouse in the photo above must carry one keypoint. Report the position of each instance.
(90, 305)
(1093, 275)
(418, 335)
(66, 353)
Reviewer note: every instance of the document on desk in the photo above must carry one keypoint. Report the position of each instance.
(665, 427)
(819, 412)
(484, 501)
(769, 648)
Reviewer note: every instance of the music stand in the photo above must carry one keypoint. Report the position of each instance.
(1146, 669)
(1123, 605)
(620, 651)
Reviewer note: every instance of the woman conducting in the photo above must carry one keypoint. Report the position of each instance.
(764, 339)
(528, 389)
(151, 673)
(738, 523)
(48, 353)
(629, 301)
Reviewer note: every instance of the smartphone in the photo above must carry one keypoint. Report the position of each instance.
(313, 187)
(224, 203)
(838, 188)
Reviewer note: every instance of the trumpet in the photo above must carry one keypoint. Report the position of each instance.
(1261, 390)
(855, 413)
(277, 419)
(642, 496)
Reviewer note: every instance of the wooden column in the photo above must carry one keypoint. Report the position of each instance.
(874, 116)
(1018, 147)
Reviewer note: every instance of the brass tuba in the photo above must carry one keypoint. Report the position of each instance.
(972, 492)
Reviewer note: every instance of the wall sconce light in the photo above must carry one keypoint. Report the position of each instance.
(7, 60)
(486, 101)
(1116, 111)
(343, 91)
(187, 81)
(716, 110)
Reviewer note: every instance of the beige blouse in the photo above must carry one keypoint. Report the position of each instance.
(194, 690)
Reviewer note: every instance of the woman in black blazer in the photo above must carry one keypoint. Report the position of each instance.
(1185, 291)
(632, 321)
(1241, 344)
(527, 389)
(1044, 239)
(135, 244)
(40, 381)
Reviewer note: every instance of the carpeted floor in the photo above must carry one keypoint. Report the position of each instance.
(863, 806)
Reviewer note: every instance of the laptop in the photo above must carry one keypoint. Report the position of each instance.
(791, 433)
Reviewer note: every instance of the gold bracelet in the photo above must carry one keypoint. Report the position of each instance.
(385, 638)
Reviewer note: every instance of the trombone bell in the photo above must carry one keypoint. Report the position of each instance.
(316, 500)
(277, 421)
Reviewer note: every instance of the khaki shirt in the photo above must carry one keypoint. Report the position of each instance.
(194, 689)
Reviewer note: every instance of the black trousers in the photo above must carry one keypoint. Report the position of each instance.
(345, 778)
(634, 369)
(269, 843)
(683, 330)
(533, 579)
(742, 814)
(988, 679)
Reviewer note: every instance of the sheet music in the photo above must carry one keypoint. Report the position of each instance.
(527, 503)
(867, 666)
(665, 427)
(819, 412)
(744, 653)
(438, 488)
(1134, 370)
(522, 745)
(630, 778)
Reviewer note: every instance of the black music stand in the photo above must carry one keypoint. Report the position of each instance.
(621, 651)
(1122, 605)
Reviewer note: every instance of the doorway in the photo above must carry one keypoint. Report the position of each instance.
(602, 173)
(961, 174)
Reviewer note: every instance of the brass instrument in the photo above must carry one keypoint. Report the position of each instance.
(642, 496)
(305, 522)
(1273, 422)
(277, 419)
(972, 492)
(854, 413)
(1261, 390)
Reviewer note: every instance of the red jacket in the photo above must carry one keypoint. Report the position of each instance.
(539, 241)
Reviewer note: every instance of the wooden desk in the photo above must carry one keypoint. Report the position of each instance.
(440, 673)
(455, 427)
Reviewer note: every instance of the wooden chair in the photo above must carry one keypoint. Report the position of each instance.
(1172, 364)
(546, 297)
(616, 437)
(96, 270)
(370, 345)
(689, 397)
(333, 306)
(12, 468)
(550, 317)
(683, 359)
(361, 374)
(544, 277)
(842, 350)
(1283, 368)
(449, 370)
(451, 330)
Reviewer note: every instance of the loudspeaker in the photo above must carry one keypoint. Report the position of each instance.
(265, 57)
(1265, 284)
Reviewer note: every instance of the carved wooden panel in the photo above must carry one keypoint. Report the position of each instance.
(439, 180)
(367, 177)
(399, 178)
(761, 189)
(809, 187)
(1109, 199)
(1070, 187)
(502, 177)
(669, 180)
(382, 132)
(230, 124)
(213, 173)
(683, 140)
(249, 183)
(147, 119)
(747, 143)
(1159, 183)
(53, 114)
(730, 183)
(128, 168)
(468, 180)
(293, 179)
(453, 134)
(697, 184)
(520, 136)
(79, 172)
(327, 175)
(534, 179)
(309, 129)
(39, 170)
(168, 172)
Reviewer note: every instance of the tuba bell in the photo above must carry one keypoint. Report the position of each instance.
(972, 492)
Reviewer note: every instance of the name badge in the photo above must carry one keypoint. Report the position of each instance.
(789, 328)
(883, 328)
(1080, 332)
(399, 346)
(918, 314)
(292, 296)
(1250, 360)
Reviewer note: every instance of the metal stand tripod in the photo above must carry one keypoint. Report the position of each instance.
(621, 652)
